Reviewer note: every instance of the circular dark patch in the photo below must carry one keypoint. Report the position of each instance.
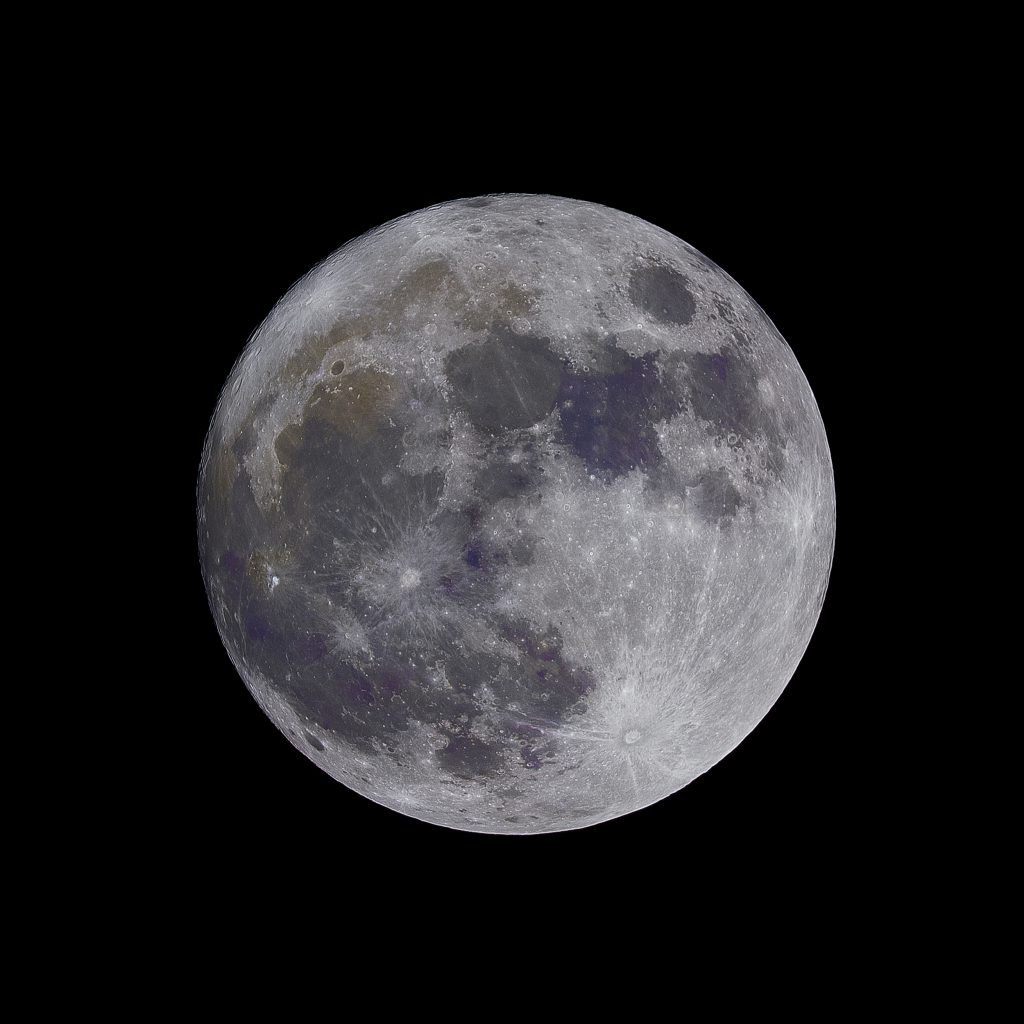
(661, 292)
(338, 367)
(509, 381)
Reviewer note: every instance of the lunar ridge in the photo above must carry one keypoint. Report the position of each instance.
(516, 514)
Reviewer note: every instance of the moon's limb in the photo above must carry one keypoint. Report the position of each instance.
(516, 514)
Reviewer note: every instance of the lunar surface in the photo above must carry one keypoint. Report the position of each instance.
(516, 514)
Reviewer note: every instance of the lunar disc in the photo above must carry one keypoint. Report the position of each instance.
(516, 514)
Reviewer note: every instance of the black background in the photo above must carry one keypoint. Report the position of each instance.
(800, 801)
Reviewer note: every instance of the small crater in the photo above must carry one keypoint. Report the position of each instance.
(338, 367)
(314, 742)
(529, 758)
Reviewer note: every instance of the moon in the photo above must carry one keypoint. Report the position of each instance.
(516, 514)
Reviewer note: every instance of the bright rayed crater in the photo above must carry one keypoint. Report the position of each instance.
(516, 514)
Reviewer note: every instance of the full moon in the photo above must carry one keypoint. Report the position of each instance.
(516, 514)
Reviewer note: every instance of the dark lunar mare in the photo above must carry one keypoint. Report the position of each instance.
(344, 503)
(661, 292)
(608, 418)
(722, 388)
(507, 382)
